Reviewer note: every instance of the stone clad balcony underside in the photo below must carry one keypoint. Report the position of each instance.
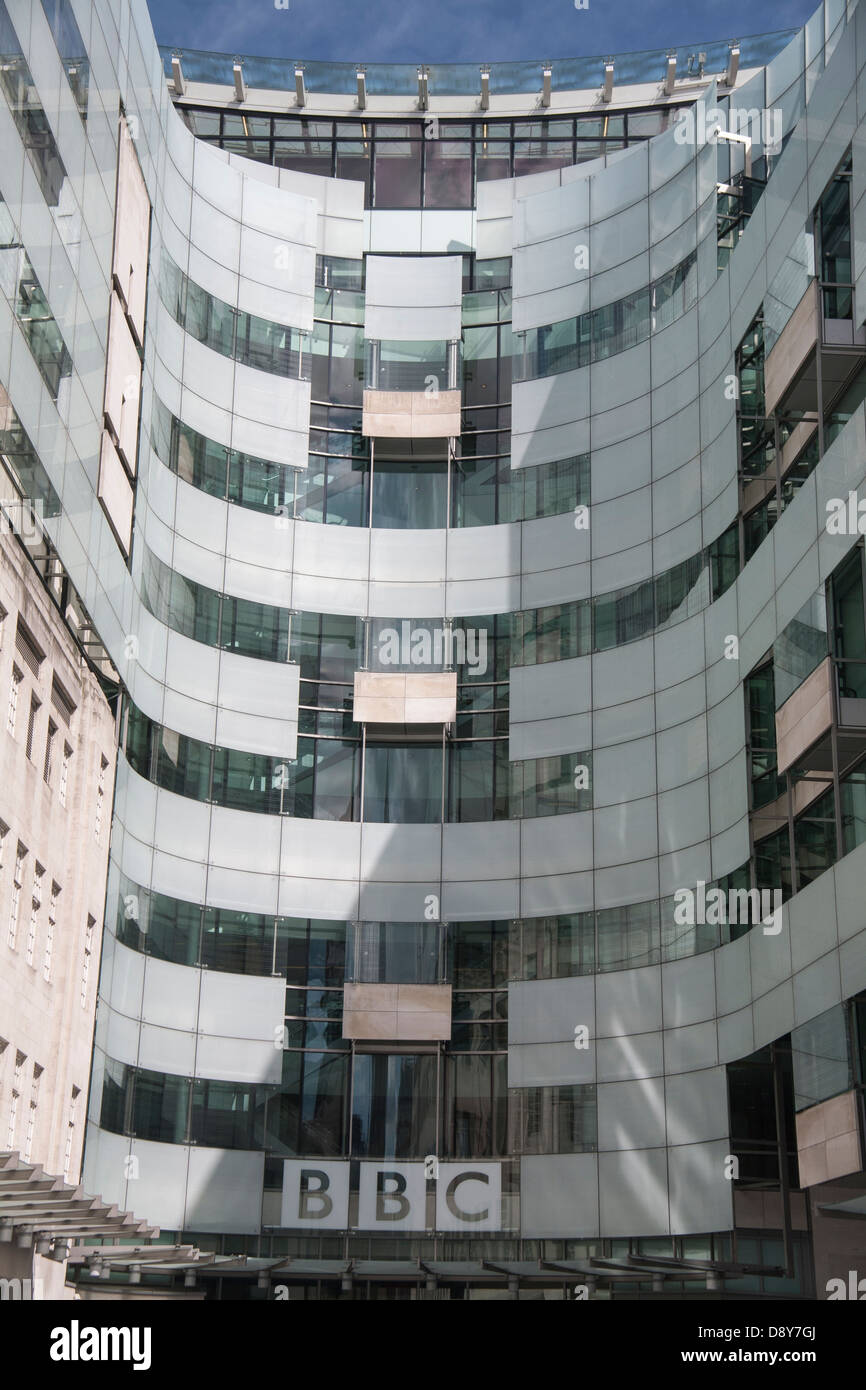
(411, 414)
(828, 1140)
(806, 715)
(394, 697)
(402, 1013)
(791, 369)
(805, 720)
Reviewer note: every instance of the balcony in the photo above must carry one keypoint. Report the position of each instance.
(813, 358)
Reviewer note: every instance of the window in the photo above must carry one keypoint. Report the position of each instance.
(64, 773)
(70, 1131)
(62, 701)
(49, 935)
(35, 904)
(554, 1119)
(4, 831)
(20, 1059)
(821, 1056)
(31, 1117)
(20, 90)
(20, 856)
(88, 952)
(70, 46)
(28, 648)
(100, 798)
(833, 225)
(397, 953)
(49, 752)
(31, 725)
(394, 1105)
(13, 701)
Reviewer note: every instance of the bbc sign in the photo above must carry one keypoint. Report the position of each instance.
(392, 1196)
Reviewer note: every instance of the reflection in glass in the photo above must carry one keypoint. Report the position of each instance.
(394, 1105)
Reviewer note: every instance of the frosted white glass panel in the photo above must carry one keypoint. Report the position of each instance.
(131, 231)
(122, 383)
(413, 298)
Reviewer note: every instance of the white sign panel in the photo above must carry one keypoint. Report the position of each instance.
(392, 1196)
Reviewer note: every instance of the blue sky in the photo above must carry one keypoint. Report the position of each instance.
(436, 31)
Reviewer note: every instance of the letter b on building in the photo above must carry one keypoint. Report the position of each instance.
(315, 1195)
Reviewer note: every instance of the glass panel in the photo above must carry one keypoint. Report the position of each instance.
(394, 1105)
(800, 647)
(70, 46)
(849, 631)
(259, 485)
(398, 174)
(311, 952)
(477, 1105)
(492, 160)
(821, 1058)
(172, 930)
(815, 839)
(334, 491)
(403, 784)
(159, 1107)
(853, 799)
(354, 161)
(621, 325)
(448, 174)
(557, 947)
(238, 941)
(409, 493)
(531, 156)
(346, 379)
(27, 112)
(628, 936)
(224, 1114)
(247, 781)
(549, 785)
(256, 629)
(307, 1117)
(479, 776)
(307, 156)
(183, 765)
(624, 615)
(479, 954)
(116, 1089)
(325, 645)
(326, 779)
(773, 863)
(409, 366)
(397, 953)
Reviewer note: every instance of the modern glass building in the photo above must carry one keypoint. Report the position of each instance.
(457, 477)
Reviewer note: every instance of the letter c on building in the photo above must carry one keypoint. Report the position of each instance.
(452, 1204)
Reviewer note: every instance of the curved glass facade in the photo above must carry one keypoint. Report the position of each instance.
(247, 338)
(556, 632)
(606, 331)
(508, 818)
